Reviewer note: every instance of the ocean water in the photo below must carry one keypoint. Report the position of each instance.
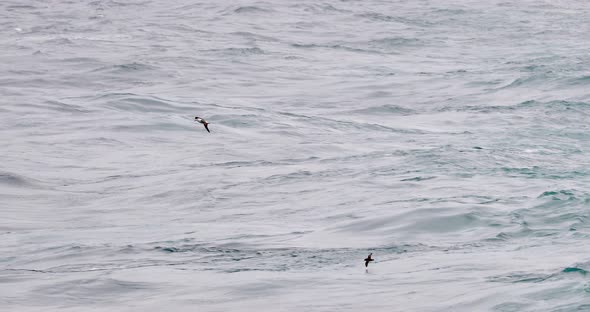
(449, 138)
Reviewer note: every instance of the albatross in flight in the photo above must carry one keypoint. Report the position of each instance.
(369, 259)
(204, 122)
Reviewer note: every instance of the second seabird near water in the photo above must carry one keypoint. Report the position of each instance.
(369, 259)
(204, 122)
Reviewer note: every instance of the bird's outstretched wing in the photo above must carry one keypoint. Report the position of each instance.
(207, 128)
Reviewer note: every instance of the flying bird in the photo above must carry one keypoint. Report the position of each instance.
(369, 259)
(204, 122)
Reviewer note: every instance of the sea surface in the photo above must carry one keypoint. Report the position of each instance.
(451, 139)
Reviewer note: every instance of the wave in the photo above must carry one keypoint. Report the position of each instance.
(91, 290)
(131, 102)
(318, 8)
(380, 17)
(237, 51)
(60, 106)
(241, 258)
(536, 172)
(342, 47)
(388, 109)
(246, 10)
(527, 277)
(582, 80)
(395, 42)
(140, 3)
(20, 7)
(387, 45)
(126, 68)
(15, 180)
(530, 105)
(257, 37)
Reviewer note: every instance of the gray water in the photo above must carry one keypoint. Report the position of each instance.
(448, 138)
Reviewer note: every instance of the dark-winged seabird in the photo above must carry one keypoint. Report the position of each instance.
(368, 260)
(204, 122)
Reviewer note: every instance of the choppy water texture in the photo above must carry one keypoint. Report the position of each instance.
(449, 138)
